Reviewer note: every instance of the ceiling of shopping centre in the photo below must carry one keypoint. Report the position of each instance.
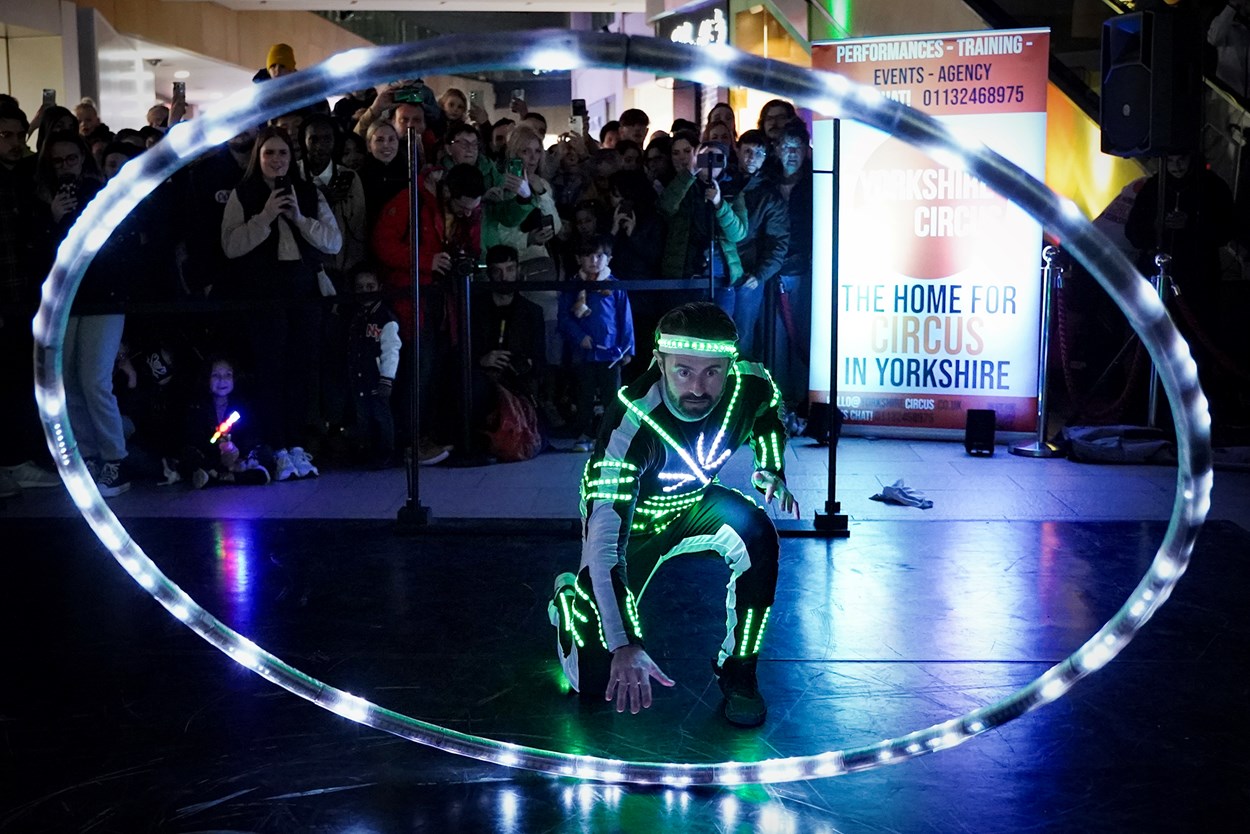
(565, 6)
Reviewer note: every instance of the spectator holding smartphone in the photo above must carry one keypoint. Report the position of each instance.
(278, 228)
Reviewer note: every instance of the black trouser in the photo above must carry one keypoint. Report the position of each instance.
(725, 524)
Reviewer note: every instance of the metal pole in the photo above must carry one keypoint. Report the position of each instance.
(413, 513)
(1162, 280)
(833, 522)
(1052, 274)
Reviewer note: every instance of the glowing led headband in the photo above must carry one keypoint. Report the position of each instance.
(695, 347)
(718, 66)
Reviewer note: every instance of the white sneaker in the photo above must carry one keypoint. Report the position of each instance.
(303, 463)
(429, 454)
(284, 465)
(30, 476)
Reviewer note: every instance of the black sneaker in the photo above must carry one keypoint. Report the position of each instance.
(112, 480)
(743, 704)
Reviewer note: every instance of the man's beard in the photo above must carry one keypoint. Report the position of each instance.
(695, 407)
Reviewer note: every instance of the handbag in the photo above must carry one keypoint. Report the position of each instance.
(513, 429)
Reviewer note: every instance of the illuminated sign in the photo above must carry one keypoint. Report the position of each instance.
(939, 290)
(702, 27)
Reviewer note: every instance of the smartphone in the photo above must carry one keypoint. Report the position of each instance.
(281, 184)
(341, 179)
(518, 94)
(516, 167)
(475, 97)
(579, 107)
(49, 97)
(577, 125)
(625, 207)
(180, 89)
(547, 222)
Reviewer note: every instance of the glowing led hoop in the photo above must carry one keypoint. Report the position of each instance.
(562, 49)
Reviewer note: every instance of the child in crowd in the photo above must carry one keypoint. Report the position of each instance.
(373, 356)
(599, 328)
(210, 456)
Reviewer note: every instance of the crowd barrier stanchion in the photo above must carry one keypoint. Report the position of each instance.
(832, 521)
(414, 513)
(1052, 278)
(1161, 280)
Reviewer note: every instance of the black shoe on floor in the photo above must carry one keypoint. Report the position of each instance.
(743, 704)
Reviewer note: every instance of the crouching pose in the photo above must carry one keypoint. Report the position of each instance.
(649, 493)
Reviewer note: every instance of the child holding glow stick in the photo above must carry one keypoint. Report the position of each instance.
(216, 427)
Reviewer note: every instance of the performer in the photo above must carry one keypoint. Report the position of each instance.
(649, 492)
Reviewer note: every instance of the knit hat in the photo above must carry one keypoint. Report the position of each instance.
(282, 54)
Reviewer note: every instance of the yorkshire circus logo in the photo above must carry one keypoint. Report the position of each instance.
(928, 219)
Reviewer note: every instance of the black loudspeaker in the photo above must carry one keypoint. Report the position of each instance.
(979, 431)
(1151, 102)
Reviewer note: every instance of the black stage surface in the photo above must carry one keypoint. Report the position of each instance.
(116, 718)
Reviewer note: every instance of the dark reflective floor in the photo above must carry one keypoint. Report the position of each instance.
(115, 718)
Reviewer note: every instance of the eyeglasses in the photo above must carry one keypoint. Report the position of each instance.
(62, 161)
(465, 143)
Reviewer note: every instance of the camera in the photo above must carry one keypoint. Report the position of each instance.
(463, 265)
(709, 160)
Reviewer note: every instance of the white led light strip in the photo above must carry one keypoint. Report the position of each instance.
(831, 95)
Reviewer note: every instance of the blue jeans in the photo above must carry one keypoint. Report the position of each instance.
(744, 306)
(91, 345)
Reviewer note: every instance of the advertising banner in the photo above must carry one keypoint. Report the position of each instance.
(939, 287)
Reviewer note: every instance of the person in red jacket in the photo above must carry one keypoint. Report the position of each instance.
(449, 236)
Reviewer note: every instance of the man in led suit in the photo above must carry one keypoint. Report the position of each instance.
(649, 493)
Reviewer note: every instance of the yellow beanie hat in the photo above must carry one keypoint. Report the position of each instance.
(282, 54)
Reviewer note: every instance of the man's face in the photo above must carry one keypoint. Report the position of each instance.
(751, 157)
(463, 149)
(636, 133)
(367, 282)
(791, 153)
(409, 115)
(775, 119)
(1178, 166)
(279, 70)
(464, 206)
(503, 271)
(694, 383)
(12, 140)
(320, 143)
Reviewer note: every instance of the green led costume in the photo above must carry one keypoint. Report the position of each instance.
(649, 493)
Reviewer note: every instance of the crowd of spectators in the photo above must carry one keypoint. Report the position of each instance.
(272, 278)
(281, 263)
